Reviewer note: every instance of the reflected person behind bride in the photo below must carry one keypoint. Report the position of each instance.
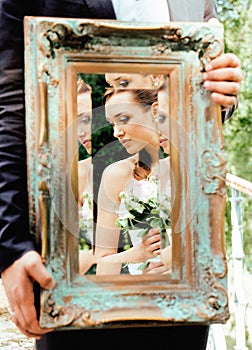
(85, 177)
(128, 197)
(163, 266)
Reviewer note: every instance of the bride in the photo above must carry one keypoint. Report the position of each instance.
(134, 116)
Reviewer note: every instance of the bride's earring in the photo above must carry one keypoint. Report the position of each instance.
(155, 80)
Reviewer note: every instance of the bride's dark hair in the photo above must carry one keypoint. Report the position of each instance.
(146, 98)
(143, 167)
(82, 87)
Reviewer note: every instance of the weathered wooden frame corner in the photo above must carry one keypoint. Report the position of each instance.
(55, 49)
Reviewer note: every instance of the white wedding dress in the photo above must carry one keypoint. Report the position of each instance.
(141, 189)
(86, 218)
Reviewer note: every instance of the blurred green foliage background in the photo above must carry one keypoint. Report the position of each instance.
(236, 15)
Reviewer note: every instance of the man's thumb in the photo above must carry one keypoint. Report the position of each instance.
(37, 270)
(46, 280)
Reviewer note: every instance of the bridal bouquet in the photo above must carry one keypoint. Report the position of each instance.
(142, 208)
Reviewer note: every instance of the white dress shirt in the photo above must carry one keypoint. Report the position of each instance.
(142, 10)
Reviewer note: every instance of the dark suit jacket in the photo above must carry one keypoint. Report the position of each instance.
(15, 238)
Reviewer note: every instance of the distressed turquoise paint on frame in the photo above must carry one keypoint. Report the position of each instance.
(56, 51)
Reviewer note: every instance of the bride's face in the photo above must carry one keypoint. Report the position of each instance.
(134, 126)
(129, 81)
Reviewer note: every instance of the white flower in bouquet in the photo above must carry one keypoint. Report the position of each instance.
(141, 209)
(144, 191)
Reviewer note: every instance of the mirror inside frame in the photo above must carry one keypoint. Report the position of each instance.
(125, 183)
(126, 172)
(124, 212)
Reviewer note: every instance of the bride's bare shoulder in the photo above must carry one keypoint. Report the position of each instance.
(120, 170)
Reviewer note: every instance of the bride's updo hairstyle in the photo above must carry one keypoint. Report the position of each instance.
(145, 98)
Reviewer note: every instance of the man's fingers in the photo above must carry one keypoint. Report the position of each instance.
(214, 21)
(224, 100)
(222, 87)
(222, 77)
(23, 311)
(37, 271)
(20, 326)
(29, 326)
(223, 74)
(225, 60)
(18, 280)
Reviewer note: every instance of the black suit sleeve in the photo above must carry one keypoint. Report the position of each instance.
(227, 113)
(15, 238)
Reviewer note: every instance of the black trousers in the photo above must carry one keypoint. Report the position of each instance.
(144, 338)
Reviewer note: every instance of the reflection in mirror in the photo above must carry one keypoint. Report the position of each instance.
(176, 262)
(85, 175)
(126, 229)
(134, 80)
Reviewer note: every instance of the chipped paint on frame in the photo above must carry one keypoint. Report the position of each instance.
(56, 49)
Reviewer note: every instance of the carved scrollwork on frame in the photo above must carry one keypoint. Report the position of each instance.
(201, 40)
(59, 51)
(172, 38)
(214, 172)
(56, 314)
(73, 315)
(63, 35)
(208, 305)
(216, 298)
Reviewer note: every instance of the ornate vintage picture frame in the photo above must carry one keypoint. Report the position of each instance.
(57, 52)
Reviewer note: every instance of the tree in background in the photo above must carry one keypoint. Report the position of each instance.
(236, 17)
